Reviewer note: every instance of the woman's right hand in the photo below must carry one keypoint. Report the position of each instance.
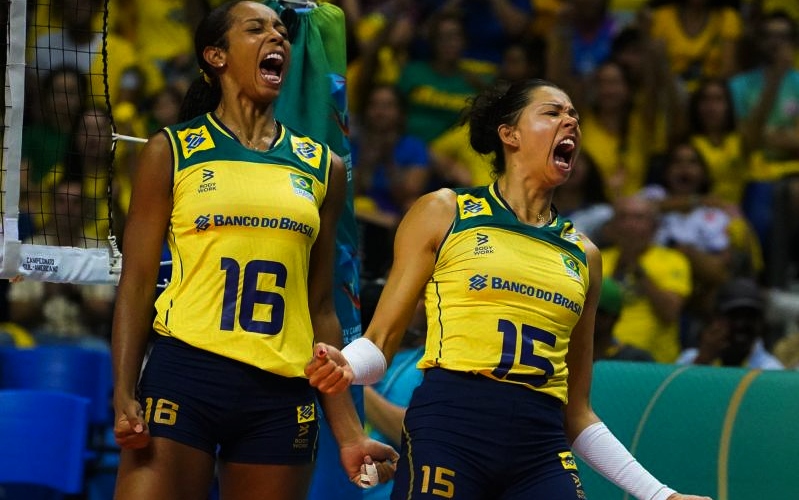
(328, 370)
(130, 428)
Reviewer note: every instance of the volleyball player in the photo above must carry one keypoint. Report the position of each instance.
(249, 210)
(511, 291)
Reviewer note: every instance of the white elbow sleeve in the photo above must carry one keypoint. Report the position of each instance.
(366, 360)
(600, 449)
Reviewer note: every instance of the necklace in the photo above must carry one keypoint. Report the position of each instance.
(261, 142)
(546, 220)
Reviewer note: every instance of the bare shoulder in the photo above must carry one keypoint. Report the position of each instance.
(336, 163)
(436, 207)
(593, 257)
(430, 217)
(154, 164)
(441, 201)
(592, 252)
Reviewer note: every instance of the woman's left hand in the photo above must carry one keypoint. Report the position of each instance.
(358, 458)
(680, 496)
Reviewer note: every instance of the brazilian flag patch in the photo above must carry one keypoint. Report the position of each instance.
(572, 268)
(303, 186)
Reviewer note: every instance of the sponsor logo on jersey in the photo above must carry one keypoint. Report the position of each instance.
(478, 282)
(303, 186)
(193, 140)
(308, 151)
(471, 206)
(482, 247)
(206, 185)
(571, 266)
(567, 460)
(202, 222)
(481, 281)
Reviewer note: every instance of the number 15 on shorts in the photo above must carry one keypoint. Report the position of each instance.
(438, 481)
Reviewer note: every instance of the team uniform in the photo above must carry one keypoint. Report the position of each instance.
(232, 357)
(501, 304)
(313, 99)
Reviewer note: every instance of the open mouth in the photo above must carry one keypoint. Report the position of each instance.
(272, 68)
(563, 152)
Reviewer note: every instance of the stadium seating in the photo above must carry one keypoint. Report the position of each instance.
(81, 371)
(73, 369)
(43, 436)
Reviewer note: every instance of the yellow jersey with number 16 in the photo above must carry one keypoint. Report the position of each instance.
(241, 233)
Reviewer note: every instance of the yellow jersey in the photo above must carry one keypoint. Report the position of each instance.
(504, 295)
(240, 234)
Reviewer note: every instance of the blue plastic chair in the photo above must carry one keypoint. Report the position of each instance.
(43, 436)
(73, 369)
(78, 370)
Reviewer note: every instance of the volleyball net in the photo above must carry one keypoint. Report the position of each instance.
(58, 142)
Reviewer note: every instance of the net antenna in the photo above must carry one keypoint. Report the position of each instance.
(43, 253)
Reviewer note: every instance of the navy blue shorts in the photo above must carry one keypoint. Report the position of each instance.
(223, 406)
(472, 438)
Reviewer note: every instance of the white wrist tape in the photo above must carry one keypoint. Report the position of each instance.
(600, 449)
(369, 477)
(366, 360)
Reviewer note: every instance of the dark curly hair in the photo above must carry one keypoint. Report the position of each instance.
(495, 106)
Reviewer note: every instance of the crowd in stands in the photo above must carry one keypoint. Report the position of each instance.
(688, 176)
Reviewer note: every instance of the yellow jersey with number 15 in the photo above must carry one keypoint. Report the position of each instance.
(241, 233)
(505, 295)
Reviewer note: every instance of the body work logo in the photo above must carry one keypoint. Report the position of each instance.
(482, 247)
(207, 185)
(303, 186)
(307, 150)
(195, 139)
(469, 206)
(572, 269)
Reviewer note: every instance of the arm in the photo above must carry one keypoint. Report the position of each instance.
(559, 54)
(590, 438)
(150, 209)
(753, 128)
(384, 415)
(514, 21)
(408, 184)
(580, 358)
(666, 305)
(708, 268)
(415, 245)
(339, 408)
